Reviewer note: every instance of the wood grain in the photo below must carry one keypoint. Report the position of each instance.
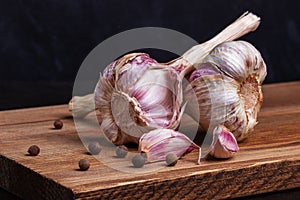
(268, 161)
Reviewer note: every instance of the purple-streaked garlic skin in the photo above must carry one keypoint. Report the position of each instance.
(207, 69)
(136, 95)
(228, 87)
(157, 144)
(239, 60)
(224, 144)
(109, 71)
(139, 62)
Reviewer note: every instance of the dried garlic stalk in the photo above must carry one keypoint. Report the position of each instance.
(82, 106)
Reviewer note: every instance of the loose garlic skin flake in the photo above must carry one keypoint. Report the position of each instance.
(228, 87)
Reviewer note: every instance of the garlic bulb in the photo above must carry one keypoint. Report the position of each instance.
(224, 144)
(228, 87)
(136, 95)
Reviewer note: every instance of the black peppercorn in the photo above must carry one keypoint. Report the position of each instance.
(84, 164)
(33, 150)
(138, 161)
(58, 124)
(171, 159)
(94, 148)
(121, 151)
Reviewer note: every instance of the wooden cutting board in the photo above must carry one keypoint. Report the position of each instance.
(268, 161)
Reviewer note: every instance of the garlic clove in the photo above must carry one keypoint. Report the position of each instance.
(136, 95)
(157, 144)
(224, 144)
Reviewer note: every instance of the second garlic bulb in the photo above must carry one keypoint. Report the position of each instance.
(228, 88)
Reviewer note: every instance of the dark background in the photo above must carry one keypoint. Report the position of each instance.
(43, 43)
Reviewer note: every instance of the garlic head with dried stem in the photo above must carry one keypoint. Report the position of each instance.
(136, 95)
(228, 87)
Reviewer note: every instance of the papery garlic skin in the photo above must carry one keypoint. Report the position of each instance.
(224, 144)
(228, 87)
(157, 144)
(80, 106)
(136, 95)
